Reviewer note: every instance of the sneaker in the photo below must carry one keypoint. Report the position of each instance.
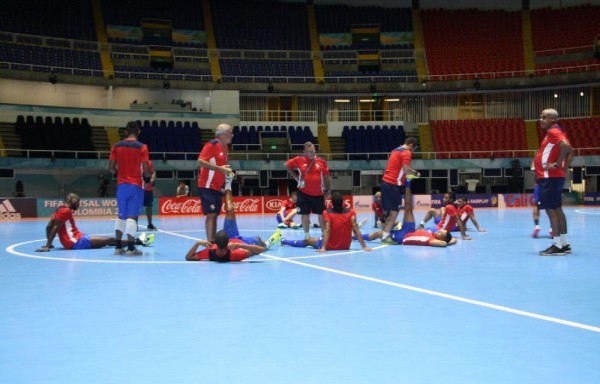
(362, 223)
(119, 251)
(397, 227)
(535, 233)
(315, 225)
(389, 241)
(567, 248)
(149, 240)
(552, 250)
(282, 225)
(134, 252)
(275, 239)
(151, 227)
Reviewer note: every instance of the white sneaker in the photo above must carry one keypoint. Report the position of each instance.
(362, 223)
(282, 225)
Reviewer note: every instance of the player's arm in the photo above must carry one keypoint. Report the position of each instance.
(475, 223)
(438, 243)
(461, 227)
(51, 230)
(358, 235)
(290, 215)
(249, 248)
(225, 169)
(326, 232)
(191, 254)
(112, 166)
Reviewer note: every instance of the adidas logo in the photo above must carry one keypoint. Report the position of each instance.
(8, 211)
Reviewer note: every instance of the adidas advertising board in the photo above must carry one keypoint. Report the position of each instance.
(16, 209)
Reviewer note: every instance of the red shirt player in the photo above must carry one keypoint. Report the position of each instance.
(466, 212)
(312, 174)
(62, 223)
(286, 213)
(340, 223)
(211, 178)
(129, 159)
(393, 183)
(551, 163)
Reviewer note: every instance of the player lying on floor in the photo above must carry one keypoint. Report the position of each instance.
(409, 235)
(229, 246)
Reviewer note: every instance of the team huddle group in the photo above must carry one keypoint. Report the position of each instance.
(129, 160)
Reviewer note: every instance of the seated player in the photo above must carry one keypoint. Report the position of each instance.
(407, 235)
(339, 222)
(448, 218)
(229, 246)
(62, 223)
(466, 212)
(285, 216)
(380, 216)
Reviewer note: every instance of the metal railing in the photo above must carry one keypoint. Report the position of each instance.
(258, 155)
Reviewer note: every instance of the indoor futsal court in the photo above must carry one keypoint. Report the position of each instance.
(488, 310)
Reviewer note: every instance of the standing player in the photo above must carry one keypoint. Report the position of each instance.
(285, 216)
(62, 223)
(130, 158)
(409, 235)
(149, 195)
(312, 174)
(551, 163)
(466, 212)
(393, 184)
(340, 223)
(213, 163)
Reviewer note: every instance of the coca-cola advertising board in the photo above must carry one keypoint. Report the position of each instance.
(192, 206)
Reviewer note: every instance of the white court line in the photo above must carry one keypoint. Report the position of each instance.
(586, 213)
(293, 260)
(444, 295)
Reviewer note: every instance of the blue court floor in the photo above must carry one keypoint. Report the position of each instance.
(488, 310)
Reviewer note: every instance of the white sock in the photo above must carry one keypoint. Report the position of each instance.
(385, 235)
(306, 235)
(563, 239)
(130, 227)
(557, 241)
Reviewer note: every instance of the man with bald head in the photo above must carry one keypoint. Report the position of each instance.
(214, 173)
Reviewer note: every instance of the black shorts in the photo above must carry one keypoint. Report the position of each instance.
(550, 192)
(211, 200)
(148, 198)
(308, 204)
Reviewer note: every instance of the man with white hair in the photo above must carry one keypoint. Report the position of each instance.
(214, 173)
(551, 163)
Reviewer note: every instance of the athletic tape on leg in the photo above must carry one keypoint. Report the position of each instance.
(120, 225)
(131, 227)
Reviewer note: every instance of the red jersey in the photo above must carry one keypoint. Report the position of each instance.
(448, 221)
(215, 153)
(465, 212)
(340, 228)
(394, 171)
(312, 174)
(68, 234)
(129, 154)
(288, 204)
(548, 153)
(148, 186)
(418, 237)
(376, 207)
(210, 253)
